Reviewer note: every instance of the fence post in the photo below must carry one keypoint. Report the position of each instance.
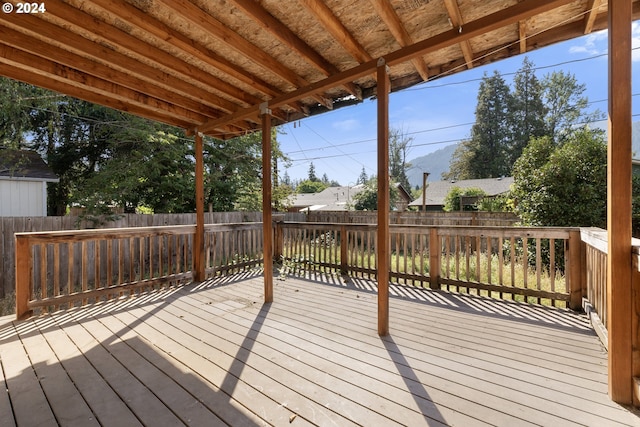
(23, 276)
(577, 263)
(344, 246)
(434, 258)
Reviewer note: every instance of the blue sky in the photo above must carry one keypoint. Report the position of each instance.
(438, 113)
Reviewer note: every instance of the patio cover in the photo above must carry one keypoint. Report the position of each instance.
(227, 67)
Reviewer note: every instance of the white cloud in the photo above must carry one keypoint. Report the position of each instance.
(635, 41)
(593, 44)
(596, 43)
(346, 125)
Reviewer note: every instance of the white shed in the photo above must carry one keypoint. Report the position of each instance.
(23, 183)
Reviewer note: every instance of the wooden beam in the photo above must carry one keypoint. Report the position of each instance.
(198, 241)
(339, 32)
(395, 25)
(267, 21)
(267, 229)
(457, 23)
(510, 15)
(383, 244)
(619, 276)
(593, 8)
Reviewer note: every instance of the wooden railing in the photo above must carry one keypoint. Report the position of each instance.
(539, 265)
(595, 281)
(69, 268)
(595, 293)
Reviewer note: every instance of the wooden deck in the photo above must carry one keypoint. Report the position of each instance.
(213, 354)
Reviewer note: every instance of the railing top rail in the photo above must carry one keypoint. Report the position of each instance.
(559, 232)
(598, 239)
(117, 233)
(106, 232)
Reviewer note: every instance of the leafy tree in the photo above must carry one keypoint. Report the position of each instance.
(308, 186)
(563, 185)
(565, 102)
(399, 145)
(453, 198)
(108, 158)
(367, 199)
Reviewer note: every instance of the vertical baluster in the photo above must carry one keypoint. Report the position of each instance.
(513, 264)
(85, 269)
(552, 268)
(56, 271)
(538, 265)
(501, 264)
(70, 268)
(109, 278)
(525, 262)
(44, 285)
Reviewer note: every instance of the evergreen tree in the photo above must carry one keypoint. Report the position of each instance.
(526, 112)
(363, 178)
(312, 173)
(485, 154)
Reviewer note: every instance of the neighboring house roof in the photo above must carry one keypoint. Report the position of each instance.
(437, 191)
(24, 165)
(329, 199)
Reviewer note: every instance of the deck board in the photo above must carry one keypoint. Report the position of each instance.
(213, 354)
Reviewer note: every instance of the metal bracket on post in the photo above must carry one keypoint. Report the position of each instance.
(264, 109)
(381, 62)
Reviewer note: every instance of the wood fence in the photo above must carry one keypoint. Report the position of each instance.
(481, 219)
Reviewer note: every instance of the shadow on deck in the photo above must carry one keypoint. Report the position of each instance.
(214, 354)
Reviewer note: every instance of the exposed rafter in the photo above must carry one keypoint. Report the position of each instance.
(189, 64)
(522, 34)
(457, 23)
(483, 25)
(339, 32)
(593, 9)
(391, 18)
(284, 34)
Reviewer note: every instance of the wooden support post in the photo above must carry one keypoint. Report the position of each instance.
(619, 296)
(267, 229)
(575, 265)
(198, 241)
(383, 245)
(23, 277)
